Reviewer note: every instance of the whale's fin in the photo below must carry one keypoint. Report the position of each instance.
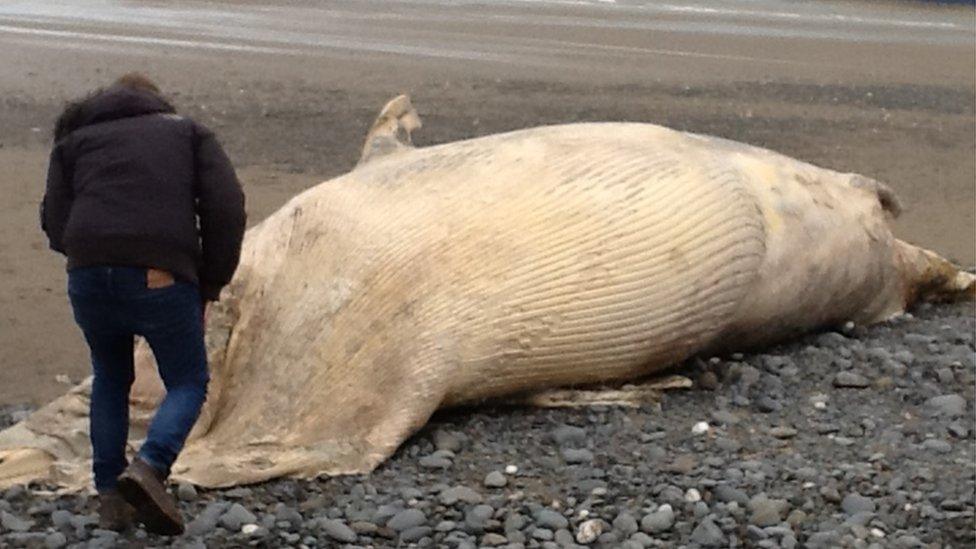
(391, 131)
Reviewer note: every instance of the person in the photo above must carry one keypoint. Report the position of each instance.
(150, 214)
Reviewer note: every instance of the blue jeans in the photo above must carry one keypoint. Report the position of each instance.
(112, 305)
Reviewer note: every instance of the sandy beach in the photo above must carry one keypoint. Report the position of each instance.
(885, 90)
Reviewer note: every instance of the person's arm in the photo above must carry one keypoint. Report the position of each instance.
(58, 197)
(220, 208)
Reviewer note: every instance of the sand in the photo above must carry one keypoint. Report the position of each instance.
(291, 89)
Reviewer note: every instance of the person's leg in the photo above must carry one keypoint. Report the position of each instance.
(181, 356)
(112, 365)
(170, 320)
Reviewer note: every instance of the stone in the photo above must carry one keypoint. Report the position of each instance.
(415, 533)
(566, 435)
(495, 479)
(186, 492)
(493, 540)
(13, 523)
(235, 517)
(406, 519)
(626, 524)
(477, 517)
(946, 405)
(938, 446)
(57, 540)
(459, 493)
(851, 380)
(552, 520)
(61, 519)
(446, 440)
(659, 521)
(855, 503)
(337, 530)
(573, 455)
(767, 512)
(708, 534)
(727, 493)
(589, 531)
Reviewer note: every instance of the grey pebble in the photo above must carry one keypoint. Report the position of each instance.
(406, 519)
(235, 517)
(946, 405)
(625, 524)
(573, 455)
(14, 523)
(547, 518)
(658, 521)
(495, 479)
(415, 533)
(477, 517)
(186, 492)
(855, 503)
(459, 493)
(337, 530)
(55, 540)
(937, 445)
(851, 380)
(565, 435)
(708, 534)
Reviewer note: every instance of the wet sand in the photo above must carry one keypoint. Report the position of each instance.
(885, 90)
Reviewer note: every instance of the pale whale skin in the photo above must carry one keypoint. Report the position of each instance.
(548, 257)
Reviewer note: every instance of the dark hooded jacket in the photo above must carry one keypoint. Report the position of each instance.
(131, 183)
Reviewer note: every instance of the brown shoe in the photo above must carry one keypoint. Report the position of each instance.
(142, 486)
(114, 513)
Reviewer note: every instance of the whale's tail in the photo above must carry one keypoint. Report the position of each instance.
(929, 277)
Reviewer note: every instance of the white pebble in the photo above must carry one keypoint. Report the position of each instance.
(877, 532)
(249, 529)
(820, 405)
(692, 495)
(700, 428)
(589, 531)
(511, 469)
(584, 513)
(808, 485)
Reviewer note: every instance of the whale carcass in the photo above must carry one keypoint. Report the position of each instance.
(550, 257)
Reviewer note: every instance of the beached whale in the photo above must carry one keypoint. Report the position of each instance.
(549, 257)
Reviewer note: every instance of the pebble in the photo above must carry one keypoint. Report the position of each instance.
(511, 469)
(767, 512)
(55, 540)
(851, 380)
(235, 517)
(406, 519)
(659, 521)
(937, 445)
(589, 531)
(13, 523)
(337, 530)
(626, 524)
(700, 428)
(783, 432)
(477, 517)
(707, 534)
(495, 479)
(569, 435)
(946, 405)
(186, 492)
(462, 494)
(855, 503)
(574, 455)
(547, 518)
(493, 540)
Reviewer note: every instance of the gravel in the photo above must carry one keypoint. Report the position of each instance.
(791, 458)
